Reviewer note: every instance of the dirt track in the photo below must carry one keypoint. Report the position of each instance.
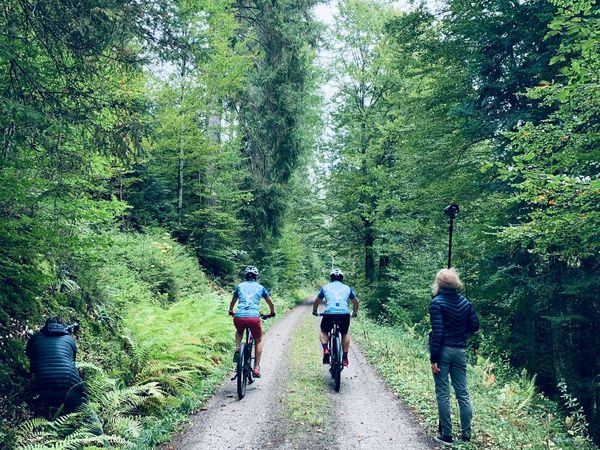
(368, 415)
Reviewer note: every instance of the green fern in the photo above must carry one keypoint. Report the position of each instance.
(30, 426)
(115, 405)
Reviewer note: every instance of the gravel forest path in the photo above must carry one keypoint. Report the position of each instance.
(368, 415)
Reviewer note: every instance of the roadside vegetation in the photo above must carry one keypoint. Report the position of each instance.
(166, 343)
(509, 410)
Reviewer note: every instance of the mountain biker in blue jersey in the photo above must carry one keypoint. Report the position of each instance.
(248, 295)
(336, 295)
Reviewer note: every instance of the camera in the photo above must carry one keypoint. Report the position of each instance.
(451, 210)
(72, 329)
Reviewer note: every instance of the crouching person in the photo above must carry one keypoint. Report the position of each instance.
(55, 377)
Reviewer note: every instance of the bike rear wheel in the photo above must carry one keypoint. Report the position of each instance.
(242, 376)
(336, 362)
(332, 354)
(251, 358)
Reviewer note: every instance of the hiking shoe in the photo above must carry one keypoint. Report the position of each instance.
(465, 438)
(326, 356)
(345, 362)
(236, 356)
(256, 372)
(444, 440)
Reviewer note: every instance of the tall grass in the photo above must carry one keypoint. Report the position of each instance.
(509, 413)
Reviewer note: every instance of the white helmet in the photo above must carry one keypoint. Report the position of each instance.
(251, 269)
(336, 273)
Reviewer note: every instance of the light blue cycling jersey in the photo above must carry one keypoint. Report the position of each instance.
(336, 295)
(249, 294)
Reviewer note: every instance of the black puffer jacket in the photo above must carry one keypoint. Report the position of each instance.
(51, 353)
(452, 320)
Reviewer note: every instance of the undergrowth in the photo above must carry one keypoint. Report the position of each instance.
(154, 333)
(119, 408)
(509, 413)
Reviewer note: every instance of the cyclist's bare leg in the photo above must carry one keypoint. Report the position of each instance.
(324, 338)
(238, 340)
(346, 342)
(259, 349)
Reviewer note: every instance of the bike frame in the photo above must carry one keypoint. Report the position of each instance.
(246, 360)
(335, 360)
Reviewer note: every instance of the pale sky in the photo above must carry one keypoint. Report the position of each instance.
(325, 13)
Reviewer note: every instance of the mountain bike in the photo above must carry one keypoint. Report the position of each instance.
(245, 362)
(335, 359)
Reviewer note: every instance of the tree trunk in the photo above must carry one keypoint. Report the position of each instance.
(214, 127)
(180, 186)
(181, 150)
(384, 261)
(369, 240)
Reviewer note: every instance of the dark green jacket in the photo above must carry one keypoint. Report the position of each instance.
(51, 354)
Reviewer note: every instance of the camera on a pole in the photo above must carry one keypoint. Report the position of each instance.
(451, 210)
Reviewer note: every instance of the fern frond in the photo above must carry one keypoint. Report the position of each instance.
(91, 367)
(152, 390)
(64, 424)
(128, 427)
(28, 427)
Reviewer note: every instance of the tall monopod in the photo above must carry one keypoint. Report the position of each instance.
(451, 211)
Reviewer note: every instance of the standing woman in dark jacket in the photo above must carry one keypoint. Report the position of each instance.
(452, 320)
(51, 352)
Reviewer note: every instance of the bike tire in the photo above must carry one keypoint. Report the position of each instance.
(332, 349)
(337, 364)
(250, 360)
(242, 376)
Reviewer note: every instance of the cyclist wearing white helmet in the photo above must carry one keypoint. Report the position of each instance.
(336, 295)
(248, 294)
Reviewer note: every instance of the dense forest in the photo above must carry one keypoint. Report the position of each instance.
(153, 148)
(494, 106)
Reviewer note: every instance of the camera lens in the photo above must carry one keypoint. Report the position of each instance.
(451, 210)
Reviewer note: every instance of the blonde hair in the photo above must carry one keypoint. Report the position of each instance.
(446, 278)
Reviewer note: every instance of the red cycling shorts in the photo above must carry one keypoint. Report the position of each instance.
(251, 322)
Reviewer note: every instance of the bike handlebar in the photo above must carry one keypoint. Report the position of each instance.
(319, 314)
(262, 316)
(267, 316)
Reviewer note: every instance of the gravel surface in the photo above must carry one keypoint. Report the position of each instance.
(369, 416)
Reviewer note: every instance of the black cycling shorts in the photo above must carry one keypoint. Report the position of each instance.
(343, 321)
